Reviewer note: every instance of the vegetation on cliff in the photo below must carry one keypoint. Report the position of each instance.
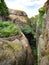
(42, 10)
(8, 29)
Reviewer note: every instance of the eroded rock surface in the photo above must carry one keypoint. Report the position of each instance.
(15, 52)
(43, 46)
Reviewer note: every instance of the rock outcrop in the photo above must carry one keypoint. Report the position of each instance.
(17, 12)
(15, 52)
(18, 17)
(43, 46)
(14, 47)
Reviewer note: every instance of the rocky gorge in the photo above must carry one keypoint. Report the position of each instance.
(24, 40)
(14, 46)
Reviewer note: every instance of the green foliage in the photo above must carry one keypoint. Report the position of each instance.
(34, 51)
(41, 14)
(32, 24)
(26, 29)
(3, 9)
(8, 29)
(42, 10)
(30, 27)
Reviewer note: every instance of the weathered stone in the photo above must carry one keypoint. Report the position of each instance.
(17, 12)
(28, 50)
(44, 61)
(18, 17)
(15, 52)
(43, 50)
(41, 47)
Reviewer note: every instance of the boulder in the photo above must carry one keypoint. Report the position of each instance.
(17, 12)
(15, 51)
(18, 17)
(11, 53)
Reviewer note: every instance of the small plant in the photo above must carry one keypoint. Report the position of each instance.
(8, 29)
(42, 10)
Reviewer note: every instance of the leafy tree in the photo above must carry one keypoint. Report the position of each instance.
(3, 9)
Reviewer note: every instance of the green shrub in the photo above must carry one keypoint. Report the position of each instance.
(8, 29)
(26, 29)
(42, 10)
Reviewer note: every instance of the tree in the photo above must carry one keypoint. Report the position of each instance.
(3, 9)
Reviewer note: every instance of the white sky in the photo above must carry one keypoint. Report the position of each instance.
(29, 6)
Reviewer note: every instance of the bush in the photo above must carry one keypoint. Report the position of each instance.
(26, 29)
(8, 29)
(42, 10)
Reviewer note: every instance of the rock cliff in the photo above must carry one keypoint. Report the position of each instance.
(43, 46)
(14, 49)
(18, 17)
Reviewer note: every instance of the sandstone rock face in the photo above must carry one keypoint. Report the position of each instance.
(43, 46)
(18, 17)
(17, 12)
(15, 51)
(44, 61)
(43, 51)
(19, 20)
(47, 20)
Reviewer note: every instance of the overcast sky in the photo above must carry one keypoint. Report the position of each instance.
(29, 6)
